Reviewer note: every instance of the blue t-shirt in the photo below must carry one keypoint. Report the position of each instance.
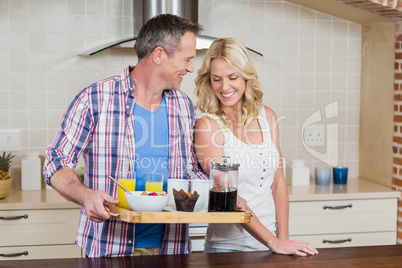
(151, 155)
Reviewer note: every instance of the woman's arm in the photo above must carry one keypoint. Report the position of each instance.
(279, 188)
(208, 142)
(281, 200)
(262, 234)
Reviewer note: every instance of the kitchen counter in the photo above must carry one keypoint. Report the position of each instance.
(376, 256)
(303, 202)
(359, 213)
(40, 199)
(356, 188)
(38, 224)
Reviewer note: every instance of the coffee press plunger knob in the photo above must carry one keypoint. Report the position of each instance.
(225, 159)
(225, 175)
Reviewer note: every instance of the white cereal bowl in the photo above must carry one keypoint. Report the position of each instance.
(144, 203)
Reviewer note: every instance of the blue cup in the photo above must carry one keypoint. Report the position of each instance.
(340, 175)
(322, 175)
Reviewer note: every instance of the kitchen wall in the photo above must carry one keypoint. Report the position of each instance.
(311, 60)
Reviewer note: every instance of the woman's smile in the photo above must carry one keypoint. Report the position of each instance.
(228, 95)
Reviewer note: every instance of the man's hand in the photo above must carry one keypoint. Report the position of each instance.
(66, 183)
(94, 205)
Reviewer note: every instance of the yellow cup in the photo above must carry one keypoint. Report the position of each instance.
(129, 184)
(154, 182)
(153, 186)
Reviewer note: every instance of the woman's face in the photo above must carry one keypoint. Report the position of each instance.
(227, 84)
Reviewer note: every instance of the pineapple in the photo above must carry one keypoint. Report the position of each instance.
(5, 164)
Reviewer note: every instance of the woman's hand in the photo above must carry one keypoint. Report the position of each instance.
(241, 204)
(288, 247)
(294, 247)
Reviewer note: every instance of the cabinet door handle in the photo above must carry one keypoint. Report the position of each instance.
(337, 241)
(338, 207)
(14, 254)
(10, 218)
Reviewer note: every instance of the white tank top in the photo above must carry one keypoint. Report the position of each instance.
(258, 163)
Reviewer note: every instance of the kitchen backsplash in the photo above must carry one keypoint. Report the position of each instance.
(311, 60)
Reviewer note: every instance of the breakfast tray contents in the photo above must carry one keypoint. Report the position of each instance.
(128, 215)
(185, 201)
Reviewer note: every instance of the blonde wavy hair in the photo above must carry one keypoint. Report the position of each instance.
(236, 55)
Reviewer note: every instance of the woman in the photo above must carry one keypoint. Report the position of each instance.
(236, 124)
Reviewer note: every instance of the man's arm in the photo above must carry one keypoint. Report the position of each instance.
(62, 154)
(67, 184)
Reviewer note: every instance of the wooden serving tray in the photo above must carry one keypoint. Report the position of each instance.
(179, 217)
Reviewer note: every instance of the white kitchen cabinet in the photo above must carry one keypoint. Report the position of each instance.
(348, 239)
(44, 227)
(40, 252)
(363, 214)
(197, 233)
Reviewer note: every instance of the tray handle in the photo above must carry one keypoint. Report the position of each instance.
(114, 214)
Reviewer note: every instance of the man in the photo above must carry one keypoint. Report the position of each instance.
(103, 123)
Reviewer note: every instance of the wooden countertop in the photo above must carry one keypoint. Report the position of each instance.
(373, 256)
(356, 188)
(40, 199)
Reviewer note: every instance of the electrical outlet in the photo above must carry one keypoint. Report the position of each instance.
(10, 140)
(314, 135)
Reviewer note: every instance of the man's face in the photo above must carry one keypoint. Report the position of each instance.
(180, 62)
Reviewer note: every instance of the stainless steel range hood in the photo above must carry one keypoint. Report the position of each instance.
(143, 10)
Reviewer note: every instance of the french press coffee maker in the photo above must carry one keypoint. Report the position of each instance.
(223, 194)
